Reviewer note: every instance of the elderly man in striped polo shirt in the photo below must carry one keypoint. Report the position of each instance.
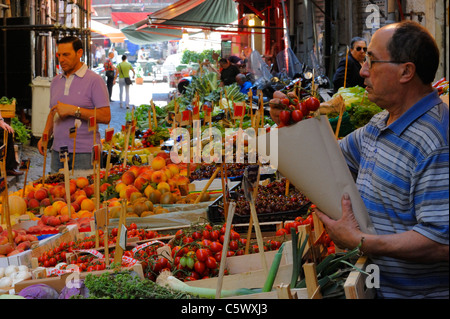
(401, 159)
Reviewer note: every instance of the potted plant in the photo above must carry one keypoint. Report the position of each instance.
(139, 79)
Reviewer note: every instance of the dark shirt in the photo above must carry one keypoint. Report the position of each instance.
(228, 75)
(353, 77)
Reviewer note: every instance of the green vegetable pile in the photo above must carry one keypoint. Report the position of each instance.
(193, 57)
(359, 110)
(5, 100)
(141, 116)
(122, 285)
(21, 132)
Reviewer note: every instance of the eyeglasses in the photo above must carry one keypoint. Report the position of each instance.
(360, 48)
(369, 61)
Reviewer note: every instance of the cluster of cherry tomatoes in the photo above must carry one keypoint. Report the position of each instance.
(196, 252)
(296, 110)
(54, 256)
(324, 239)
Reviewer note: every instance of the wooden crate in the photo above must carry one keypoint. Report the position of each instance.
(355, 287)
(8, 110)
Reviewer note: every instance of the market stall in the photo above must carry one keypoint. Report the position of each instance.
(224, 226)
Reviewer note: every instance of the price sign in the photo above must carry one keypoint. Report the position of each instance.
(123, 237)
(73, 132)
(196, 112)
(186, 117)
(109, 133)
(2, 185)
(24, 164)
(63, 151)
(92, 123)
(95, 153)
(239, 110)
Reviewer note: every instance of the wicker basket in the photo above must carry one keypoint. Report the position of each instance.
(8, 110)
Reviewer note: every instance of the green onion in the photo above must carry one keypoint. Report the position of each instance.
(273, 270)
(166, 279)
(297, 255)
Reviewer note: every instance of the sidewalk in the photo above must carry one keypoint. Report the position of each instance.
(139, 94)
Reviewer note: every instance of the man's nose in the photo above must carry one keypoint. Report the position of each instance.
(364, 72)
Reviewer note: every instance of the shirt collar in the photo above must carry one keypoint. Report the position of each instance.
(81, 71)
(414, 112)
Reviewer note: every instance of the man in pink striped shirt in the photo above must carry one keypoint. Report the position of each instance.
(76, 94)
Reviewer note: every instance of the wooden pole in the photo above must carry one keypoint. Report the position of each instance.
(197, 200)
(225, 249)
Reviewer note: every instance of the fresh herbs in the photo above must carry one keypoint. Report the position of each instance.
(21, 132)
(122, 285)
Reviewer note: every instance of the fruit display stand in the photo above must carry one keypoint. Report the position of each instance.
(24, 258)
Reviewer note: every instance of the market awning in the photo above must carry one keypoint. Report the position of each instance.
(167, 24)
(115, 35)
(128, 17)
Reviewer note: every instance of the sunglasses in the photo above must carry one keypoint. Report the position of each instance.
(359, 49)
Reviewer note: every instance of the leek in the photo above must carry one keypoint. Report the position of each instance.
(273, 270)
(166, 279)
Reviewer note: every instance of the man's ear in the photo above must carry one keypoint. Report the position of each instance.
(80, 53)
(408, 71)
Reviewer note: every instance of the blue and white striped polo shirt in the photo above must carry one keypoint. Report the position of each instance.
(403, 178)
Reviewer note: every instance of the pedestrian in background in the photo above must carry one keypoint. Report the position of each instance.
(124, 69)
(110, 73)
(354, 61)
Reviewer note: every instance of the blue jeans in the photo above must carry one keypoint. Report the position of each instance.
(82, 161)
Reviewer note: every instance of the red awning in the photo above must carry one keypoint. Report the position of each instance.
(129, 17)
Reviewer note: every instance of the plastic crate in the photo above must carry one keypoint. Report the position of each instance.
(215, 215)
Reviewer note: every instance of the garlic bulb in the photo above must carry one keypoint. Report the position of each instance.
(10, 270)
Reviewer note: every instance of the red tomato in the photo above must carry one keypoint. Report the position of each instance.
(216, 247)
(132, 226)
(285, 101)
(234, 235)
(196, 235)
(297, 115)
(312, 103)
(304, 109)
(285, 116)
(206, 234)
(202, 254)
(281, 232)
(211, 263)
(214, 235)
(200, 267)
(234, 245)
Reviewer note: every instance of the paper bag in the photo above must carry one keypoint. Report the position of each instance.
(310, 158)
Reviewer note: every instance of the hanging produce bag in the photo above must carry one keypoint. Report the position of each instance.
(310, 158)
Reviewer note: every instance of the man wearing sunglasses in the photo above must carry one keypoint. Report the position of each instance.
(401, 160)
(356, 56)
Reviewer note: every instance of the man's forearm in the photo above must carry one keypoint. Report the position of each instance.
(102, 114)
